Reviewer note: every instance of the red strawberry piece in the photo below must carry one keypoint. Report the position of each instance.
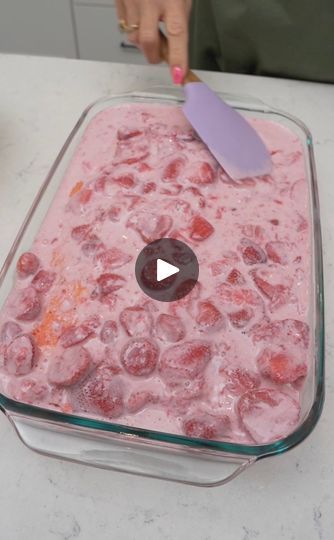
(235, 278)
(27, 265)
(140, 357)
(274, 285)
(100, 394)
(218, 267)
(75, 334)
(208, 316)
(149, 187)
(172, 189)
(129, 152)
(113, 258)
(9, 331)
(278, 252)
(241, 318)
(92, 245)
(174, 169)
(137, 401)
(205, 426)
(43, 281)
(80, 233)
(109, 332)
(84, 196)
(200, 228)
(125, 180)
(143, 167)
(274, 222)
(268, 414)
(184, 362)
(285, 332)
(201, 173)
(28, 390)
(128, 133)
(100, 183)
(240, 380)
(150, 226)
(109, 283)
(170, 328)
(114, 213)
(19, 356)
(301, 223)
(281, 365)
(252, 253)
(255, 232)
(136, 321)
(28, 305)
(69, 368)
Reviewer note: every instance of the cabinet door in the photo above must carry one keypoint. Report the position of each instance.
(41, 27)
(99, 37)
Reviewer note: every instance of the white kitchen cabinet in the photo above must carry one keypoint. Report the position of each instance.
(41, 27)
(98, 35)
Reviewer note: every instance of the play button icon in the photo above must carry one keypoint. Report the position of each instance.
(167, 270)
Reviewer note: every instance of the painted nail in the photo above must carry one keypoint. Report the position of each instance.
(177, 75)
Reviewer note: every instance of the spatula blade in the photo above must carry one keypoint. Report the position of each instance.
(230, 138)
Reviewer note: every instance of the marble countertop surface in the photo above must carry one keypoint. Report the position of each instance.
(289, 497)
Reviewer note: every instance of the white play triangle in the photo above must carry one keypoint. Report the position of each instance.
(165, 270)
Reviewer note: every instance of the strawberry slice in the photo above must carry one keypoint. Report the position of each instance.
(200, 425)
(268, 415)
(9, 331)
(27, 265)
(75, 334)
(240, 380)
(282, 365)
(209, 317)
(170, 328)
(235, 278)
(28, 390)
(100, 394)
(283, 332)
(138, 401)
(81, 232)
(43, 281)
(201, 173)
(139, 357)
(136, 321)
(150, 226)
(200, 228)
(125, 134)
(242, 317)
(273, 284)
(109, 332)
(113, 258)
(70, 368)
(184, 362)
(19, 356)
(174, 169)
(278, 252)
(28, 305)
(109, 283)
(252, 253)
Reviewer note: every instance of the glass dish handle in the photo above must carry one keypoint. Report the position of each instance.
(127, 454)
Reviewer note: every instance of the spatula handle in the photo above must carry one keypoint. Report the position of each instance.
(164, 52)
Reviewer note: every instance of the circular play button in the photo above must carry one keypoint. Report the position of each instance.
(167, 270)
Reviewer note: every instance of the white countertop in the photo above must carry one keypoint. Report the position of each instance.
(290, 497)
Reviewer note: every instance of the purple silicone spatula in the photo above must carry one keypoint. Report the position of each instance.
(230, 138)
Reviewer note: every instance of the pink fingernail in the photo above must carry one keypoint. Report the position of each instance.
(177, 74)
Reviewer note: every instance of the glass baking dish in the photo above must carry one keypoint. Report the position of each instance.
(151, 453)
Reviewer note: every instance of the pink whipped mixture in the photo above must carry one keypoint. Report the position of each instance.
(229, 360)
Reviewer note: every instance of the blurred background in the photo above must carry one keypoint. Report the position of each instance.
(86, 29)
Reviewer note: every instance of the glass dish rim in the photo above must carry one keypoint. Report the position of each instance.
(241, 102)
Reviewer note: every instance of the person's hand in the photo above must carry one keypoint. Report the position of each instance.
(142, 18)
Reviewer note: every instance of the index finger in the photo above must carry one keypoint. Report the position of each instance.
(178, 34)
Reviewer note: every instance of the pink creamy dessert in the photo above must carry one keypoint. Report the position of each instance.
(228, 361)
